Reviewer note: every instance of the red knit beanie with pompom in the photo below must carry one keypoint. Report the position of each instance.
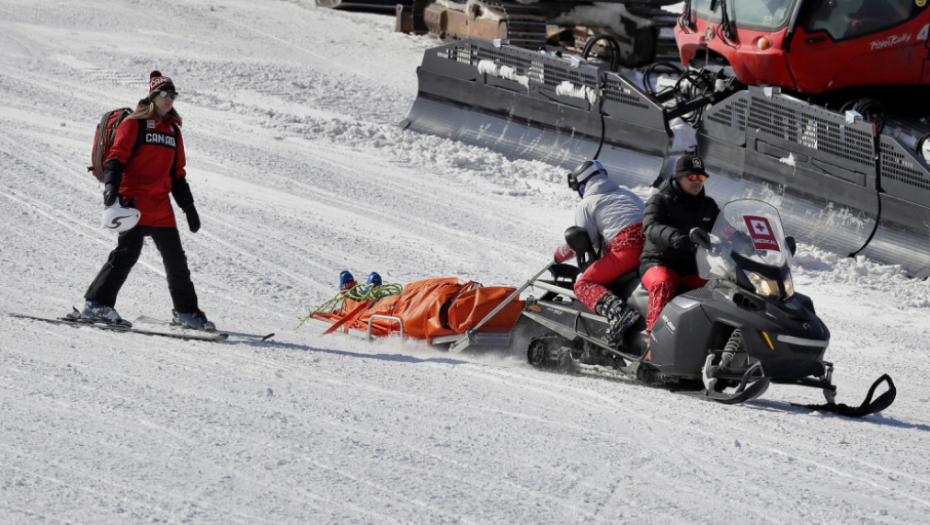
(158, 82)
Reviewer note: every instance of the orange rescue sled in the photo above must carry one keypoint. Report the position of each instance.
(438, 310)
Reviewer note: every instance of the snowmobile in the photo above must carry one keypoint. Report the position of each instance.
(812, 105)
(748, 328)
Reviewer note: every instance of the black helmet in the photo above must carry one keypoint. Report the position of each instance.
(578, 178)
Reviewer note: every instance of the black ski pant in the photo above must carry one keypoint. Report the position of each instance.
(107, 284)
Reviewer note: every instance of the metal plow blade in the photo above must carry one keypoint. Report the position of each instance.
(533, 105)
(838, 182)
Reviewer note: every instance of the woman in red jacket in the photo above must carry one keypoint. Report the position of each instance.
(145, 164)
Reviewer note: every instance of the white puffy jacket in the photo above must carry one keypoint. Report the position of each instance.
(606, 209)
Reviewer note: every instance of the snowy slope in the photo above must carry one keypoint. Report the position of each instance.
(299, 171)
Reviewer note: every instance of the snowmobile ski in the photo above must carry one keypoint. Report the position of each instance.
(750, 392)
(175, 326)
(867, 407)
(75, 319)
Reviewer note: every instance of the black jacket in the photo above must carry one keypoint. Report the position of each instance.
(667, 221)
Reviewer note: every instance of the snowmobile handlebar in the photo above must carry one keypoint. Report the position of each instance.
(700, 237)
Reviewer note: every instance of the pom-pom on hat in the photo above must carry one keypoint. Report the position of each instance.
(158, 82)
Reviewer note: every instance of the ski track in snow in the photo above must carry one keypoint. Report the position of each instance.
(299, 170)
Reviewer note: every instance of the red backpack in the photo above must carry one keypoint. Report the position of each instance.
(103, 140)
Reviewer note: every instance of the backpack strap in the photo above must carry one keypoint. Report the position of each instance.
(174, 165)
(140, 137)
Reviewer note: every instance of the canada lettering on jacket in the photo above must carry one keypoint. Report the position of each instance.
(161, 138)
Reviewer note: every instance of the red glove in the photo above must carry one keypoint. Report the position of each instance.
(564, 253)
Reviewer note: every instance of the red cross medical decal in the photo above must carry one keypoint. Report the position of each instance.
(761, 232)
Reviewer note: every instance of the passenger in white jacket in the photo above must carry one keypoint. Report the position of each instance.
(613, 216)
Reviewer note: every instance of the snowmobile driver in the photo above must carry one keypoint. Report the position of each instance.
(606, 212)
(668, 260)
(145, 163)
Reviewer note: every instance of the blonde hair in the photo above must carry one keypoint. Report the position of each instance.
(144, 112)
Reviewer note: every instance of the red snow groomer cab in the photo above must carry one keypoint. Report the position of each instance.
(810, 46)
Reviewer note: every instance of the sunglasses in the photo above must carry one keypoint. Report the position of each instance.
(166, 94)
(694, 177)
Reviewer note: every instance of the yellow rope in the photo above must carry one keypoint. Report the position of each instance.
(359, 292)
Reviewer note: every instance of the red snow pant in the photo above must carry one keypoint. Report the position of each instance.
(620, 256)
(662, 283)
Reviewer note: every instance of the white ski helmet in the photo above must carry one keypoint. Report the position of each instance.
(120, 219)
(578, 179)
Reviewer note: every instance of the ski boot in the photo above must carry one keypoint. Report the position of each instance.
(197, 321)
(97, 312)
(346, 281)
(374, 279)
(619, 318)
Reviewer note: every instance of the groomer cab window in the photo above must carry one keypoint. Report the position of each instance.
(758, 15)
(846, 19)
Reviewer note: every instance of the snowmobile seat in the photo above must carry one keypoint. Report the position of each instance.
(567, 272)
(621, 286)
(625, 286)
(638, 299)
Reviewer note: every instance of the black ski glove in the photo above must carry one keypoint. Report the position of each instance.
(182, 195)
(681, 242)
(193, 220)
(112, 177)
(110, 194)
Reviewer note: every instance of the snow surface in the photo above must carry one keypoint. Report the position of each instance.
(299, 171)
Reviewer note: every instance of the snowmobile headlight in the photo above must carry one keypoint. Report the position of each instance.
(763, 285)
(769, 287)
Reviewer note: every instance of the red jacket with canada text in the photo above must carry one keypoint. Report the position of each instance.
(147, 175)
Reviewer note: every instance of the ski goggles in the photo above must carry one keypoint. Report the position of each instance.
(577, 180)
(695, 177)
(166, 94)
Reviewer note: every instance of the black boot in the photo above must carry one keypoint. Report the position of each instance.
(619, 317)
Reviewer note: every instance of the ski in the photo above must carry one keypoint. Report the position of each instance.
(753, 391)
(174, 326)
(77, 322)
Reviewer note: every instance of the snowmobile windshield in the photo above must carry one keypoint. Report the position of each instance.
(748, 247)
(853, 18)
(758, 15)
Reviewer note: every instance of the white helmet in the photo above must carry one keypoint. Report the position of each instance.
(120, 219)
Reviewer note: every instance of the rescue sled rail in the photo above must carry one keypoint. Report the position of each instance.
(355, 332)
(386, 318)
